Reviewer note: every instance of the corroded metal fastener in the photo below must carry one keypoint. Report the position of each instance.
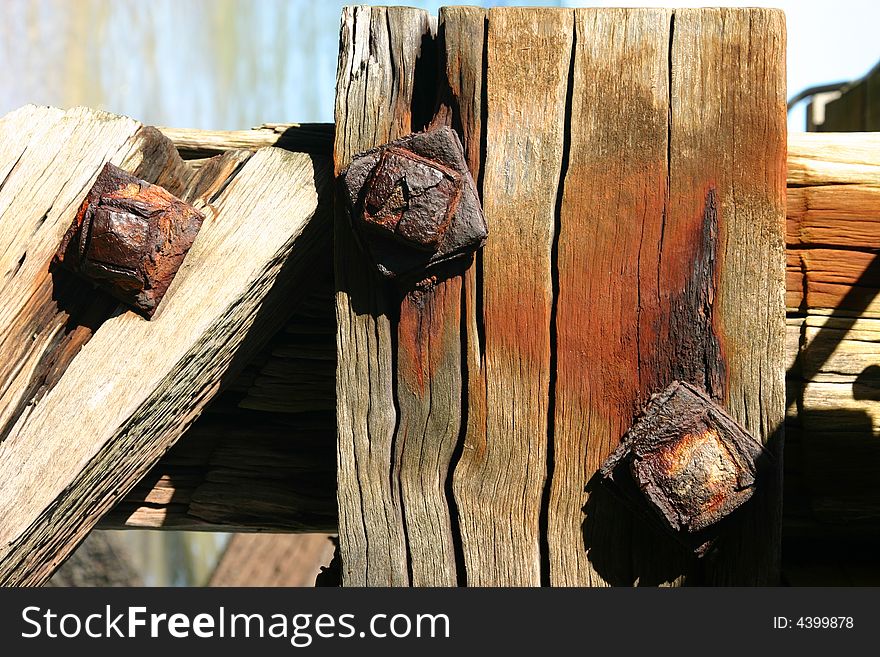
(129, 238)
(413, 202)
(692, 462)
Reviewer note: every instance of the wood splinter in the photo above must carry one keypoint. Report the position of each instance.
(692, 462)
(129, 238)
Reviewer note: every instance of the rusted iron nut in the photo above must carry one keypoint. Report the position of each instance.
(692, 462)
(129, 238)
(413, 203)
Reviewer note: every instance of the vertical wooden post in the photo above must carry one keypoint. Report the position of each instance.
(380, 51)
(631, 164)
(500, 478)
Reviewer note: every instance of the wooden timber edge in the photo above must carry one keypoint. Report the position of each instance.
(196, 146)
(196, 486)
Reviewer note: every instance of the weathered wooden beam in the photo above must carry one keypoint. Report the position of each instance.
(839, 158)
(832, 423)
(92, 395)
(666, 287)
(316, 138)
(379, 51)
(843, 214)
(262, 455)
(586, 200)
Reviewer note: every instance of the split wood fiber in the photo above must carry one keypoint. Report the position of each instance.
(91, 395)
(631, 243)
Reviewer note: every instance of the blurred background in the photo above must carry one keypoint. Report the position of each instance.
(232, 64)
(229, 64)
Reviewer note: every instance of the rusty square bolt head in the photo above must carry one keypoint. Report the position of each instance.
(413, 202)
(129, 238)
(692, 462)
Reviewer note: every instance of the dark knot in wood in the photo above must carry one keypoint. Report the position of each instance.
(692, 462)
(129, 238)
(414, 204)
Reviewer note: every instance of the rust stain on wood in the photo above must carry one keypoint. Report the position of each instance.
(611, 327)
(423, 320)
(691, 343)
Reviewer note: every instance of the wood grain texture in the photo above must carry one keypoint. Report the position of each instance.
(315, 138)
(845, 215)
(429, 341)
(77, 441)
(237, 470)
(500, 476)
(643, 207)
(827, 159)
(429, 402)
(462, 104)
(379, 50)
(666, 287)
(267, 560)
(617, 169)
(746, 114)
(262, 455)
(832, 497)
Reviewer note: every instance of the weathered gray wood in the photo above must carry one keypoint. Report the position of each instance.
(379, 49)
(316, 138)
(85, 417)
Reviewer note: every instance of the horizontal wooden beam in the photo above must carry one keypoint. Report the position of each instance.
(192, 143)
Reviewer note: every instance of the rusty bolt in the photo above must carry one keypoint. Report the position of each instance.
(129, 238)
(413, 203)
(692, 462)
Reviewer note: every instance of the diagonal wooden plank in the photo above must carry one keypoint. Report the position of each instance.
(114, 402)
